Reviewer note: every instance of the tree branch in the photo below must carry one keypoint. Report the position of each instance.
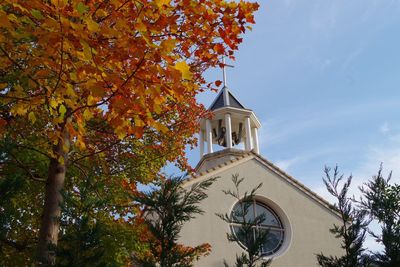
(23, 167)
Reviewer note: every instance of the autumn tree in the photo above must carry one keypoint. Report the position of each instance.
(166, 209)
(353, 227)
(85, 78)
(89, 230)
(93, 231)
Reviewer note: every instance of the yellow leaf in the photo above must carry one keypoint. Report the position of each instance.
(157, 109)
(12, 17)
(73, 76)
(158, 100)
(138, 122)
(86, 50)
(57, 120)
(183, 67)
(160, 127)
(91, 100)
(62, 110)
(59, 3)
(53, 103)
(20, 7)
(87, 114)
(120, 133)
(70, 90)
(31, 117)
(61, 160)
(20, 110)
(92, 25)
(160, 3)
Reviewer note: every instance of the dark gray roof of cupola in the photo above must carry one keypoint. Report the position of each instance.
(222, 101)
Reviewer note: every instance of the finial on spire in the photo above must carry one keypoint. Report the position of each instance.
(224, 70)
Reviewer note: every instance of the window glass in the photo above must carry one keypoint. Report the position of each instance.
(243, 208)
(271, 224)
(273, 242)
(270, 218)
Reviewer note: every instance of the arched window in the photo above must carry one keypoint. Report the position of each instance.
(261, 218)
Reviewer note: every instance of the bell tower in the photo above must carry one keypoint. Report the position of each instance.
(231, 124)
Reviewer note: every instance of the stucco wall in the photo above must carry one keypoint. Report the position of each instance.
(309, 221)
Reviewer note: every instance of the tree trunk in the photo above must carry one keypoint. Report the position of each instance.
(49, 228)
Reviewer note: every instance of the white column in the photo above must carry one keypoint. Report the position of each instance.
(209, 136)
(255, 140)
(228, 132)
(248, 144)
(201, 143)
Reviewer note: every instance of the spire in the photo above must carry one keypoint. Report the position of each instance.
(224, 71)
(231, 124)
(225, 99)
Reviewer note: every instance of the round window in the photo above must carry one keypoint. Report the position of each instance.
(252, 219)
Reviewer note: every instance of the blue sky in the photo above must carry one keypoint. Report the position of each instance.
(323, 77)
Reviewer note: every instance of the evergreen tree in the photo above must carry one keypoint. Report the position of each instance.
(382, 201)
(93, 231)
(166, 209)
(246, 234)
(353, 228)
(20, 199)
(89, 235)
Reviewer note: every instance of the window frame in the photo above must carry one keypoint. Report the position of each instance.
(280, 228)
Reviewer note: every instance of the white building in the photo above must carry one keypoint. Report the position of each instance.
(298, 220)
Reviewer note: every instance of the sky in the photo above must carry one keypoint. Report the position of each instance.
(323, 77)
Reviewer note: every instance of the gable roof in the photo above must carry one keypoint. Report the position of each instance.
(240, 156)
(225, 101)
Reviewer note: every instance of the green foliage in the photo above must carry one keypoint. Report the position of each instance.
(353, 228)
(382, 201)
(252, 240)
(90, 235)
(92, 230)
(166, 208)
(20, 201)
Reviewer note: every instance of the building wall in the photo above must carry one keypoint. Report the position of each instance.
(307, 226)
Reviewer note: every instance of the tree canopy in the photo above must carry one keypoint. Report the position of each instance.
(106, 82)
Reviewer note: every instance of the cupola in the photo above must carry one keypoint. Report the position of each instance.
(230, 125)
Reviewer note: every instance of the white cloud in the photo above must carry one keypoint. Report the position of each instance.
(389, 155)
(384, 128)
(276, 131)
(280, 130)
(286, 163)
